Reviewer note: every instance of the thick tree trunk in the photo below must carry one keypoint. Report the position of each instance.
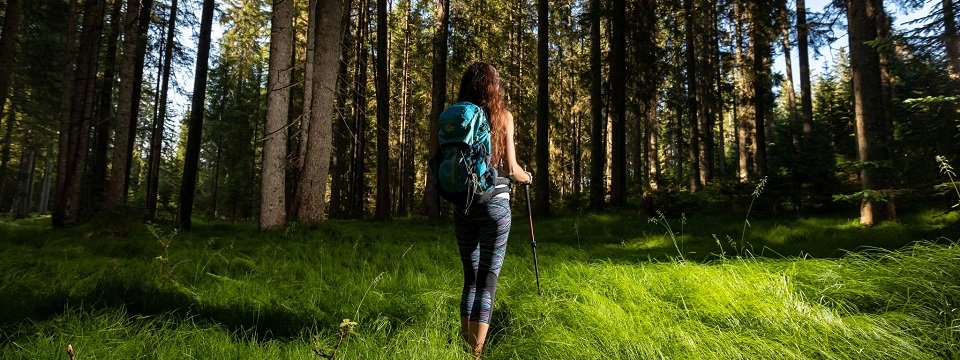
(135, 23)
(598, 124)
(194, 129)
(273, 210)
(8, 54)
(105, 118)
(692, 106)
(63, 135)
(542, 177)
(431, 200)
(72, 158)
(382, 79)
(156, 138)
(316, 165)
(862, 16)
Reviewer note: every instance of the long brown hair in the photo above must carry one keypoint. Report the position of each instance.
(481, 85)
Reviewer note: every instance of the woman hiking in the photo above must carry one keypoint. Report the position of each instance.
(482, 230)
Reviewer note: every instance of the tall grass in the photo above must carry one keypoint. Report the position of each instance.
(611, 290)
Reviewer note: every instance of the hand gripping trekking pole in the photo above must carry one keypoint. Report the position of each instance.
(533, 239)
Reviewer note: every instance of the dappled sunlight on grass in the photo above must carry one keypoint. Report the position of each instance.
(615, 286)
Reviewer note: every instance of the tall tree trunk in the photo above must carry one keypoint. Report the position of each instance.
(156, 138)
(618, 165)
(542, 177)
(431, 200)
(316, 165)
(191, 156)
(5, 147)
(763, 95)
(63, 135)
(382, 80)
(407, 151)
(745, 111)
(72, 160)
(8, 47)
(598, 125)
(862, 16)
(358, 186)
(104, 113)
(273, 210)
(806, 97)
(692, 106)
(340, 160)
(136, 23)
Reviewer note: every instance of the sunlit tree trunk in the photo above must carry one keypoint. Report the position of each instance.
(316, 165)
(598, 124)
(195, 123)
(273, 209)
(862, 17)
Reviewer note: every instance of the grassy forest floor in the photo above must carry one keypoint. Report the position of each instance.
(614, 286)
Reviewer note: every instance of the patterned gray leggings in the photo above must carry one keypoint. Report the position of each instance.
(482, 240)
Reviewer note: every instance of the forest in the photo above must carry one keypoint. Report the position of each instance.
(703, 171)
(616, 102)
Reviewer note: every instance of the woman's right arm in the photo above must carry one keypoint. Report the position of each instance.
(514, 171)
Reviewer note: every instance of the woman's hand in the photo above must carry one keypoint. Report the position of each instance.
(522, 177)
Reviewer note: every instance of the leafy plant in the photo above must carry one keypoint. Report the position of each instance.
(165, 240)
(345, 328)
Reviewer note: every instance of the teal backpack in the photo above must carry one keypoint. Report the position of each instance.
(461, 167)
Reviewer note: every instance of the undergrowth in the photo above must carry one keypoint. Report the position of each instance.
(615, 286)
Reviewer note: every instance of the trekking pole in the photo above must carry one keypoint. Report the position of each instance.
(533, 239)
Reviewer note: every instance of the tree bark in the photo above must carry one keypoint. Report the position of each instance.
(104, 113)
(194, 129)
(273, 210)
(135, 24)
(763, 95)
(408, 150)
(744, 108)
(431, 200)
(358, 184)
(806, 97)
(692, 91)
(542, 177)
(5, 150)
(598, 124)
(44, 202)
(316, 165)
(8, 47)
(156, 138)
(383, 202)
(862, 16)
(76, 128)
(339, 161)
(618, 165)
